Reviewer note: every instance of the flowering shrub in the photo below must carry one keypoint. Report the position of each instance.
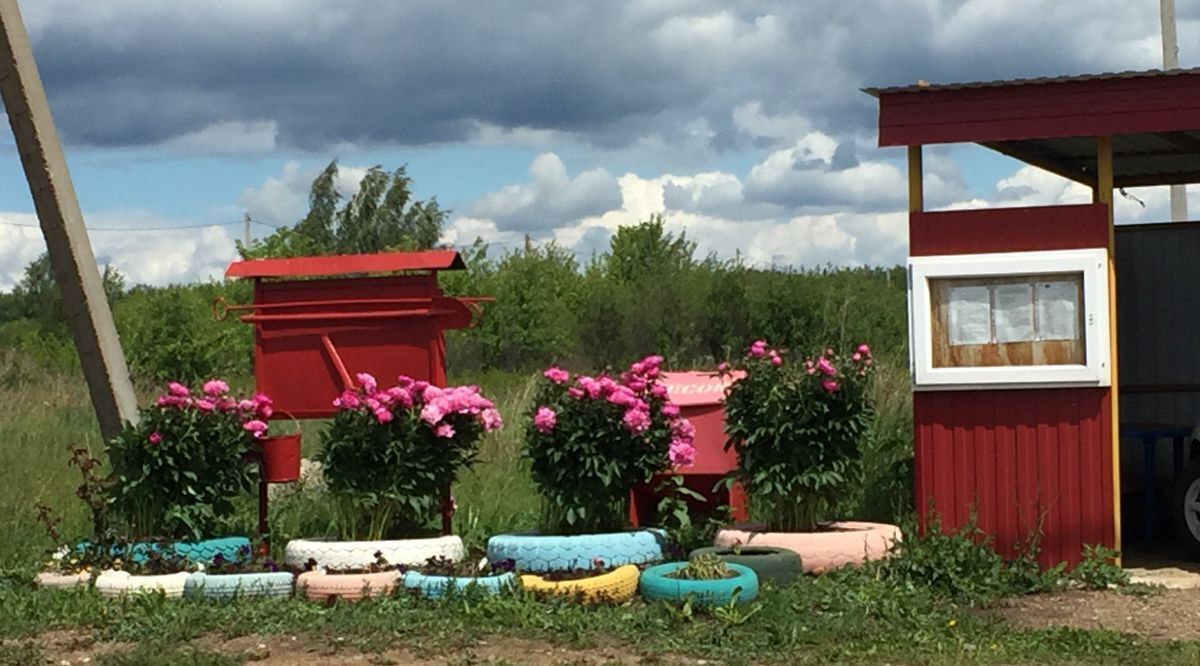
(390, 453)
(177, 473)
(796, 428)
(590, 440)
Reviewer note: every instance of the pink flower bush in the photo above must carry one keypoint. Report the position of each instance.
(591, 439)
(797, 430)
(391, 451)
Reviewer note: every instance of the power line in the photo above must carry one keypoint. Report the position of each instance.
(163, 228)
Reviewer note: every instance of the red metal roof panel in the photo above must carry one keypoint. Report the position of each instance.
(343, 264)
(972, 85)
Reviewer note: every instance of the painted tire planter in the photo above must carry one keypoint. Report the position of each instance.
(540, 554)
(321, 586)
(845, 543)
(57, 581)
(225, 586)
(361, 554)
(657, 586)
(116, 584)
(231, 548)
(616, 586)
(436, 586)
(777, 566)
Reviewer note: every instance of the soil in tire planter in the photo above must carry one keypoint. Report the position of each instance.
(777, 566)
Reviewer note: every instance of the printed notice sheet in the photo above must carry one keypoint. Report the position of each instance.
(1058, 310)
(1013, 313)
(970, 316)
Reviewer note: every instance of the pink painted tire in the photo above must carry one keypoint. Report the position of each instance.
(845, 543)
(321, 586)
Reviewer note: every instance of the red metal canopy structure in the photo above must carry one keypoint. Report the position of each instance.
(1040, 456)
(318, 321)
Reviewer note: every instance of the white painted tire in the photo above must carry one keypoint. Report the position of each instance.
(57, 581)
(115, 584)
(342, 555)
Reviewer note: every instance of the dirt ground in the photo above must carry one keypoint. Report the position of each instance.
(1167, 615)
(68, 648)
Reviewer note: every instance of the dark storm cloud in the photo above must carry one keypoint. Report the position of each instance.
(134, 72)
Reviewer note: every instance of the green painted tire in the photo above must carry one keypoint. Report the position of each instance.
(777, 566)
(656, 584)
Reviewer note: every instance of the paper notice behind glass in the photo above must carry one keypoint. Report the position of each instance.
(1013, 315)
(970, 316)
(1058, 310)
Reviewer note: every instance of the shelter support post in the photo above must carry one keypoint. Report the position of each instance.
(916, 180)
(70, 250)
(1103, 193)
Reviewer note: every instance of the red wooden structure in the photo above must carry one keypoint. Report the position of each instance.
(320, 320)
(1029, 458)
(700, 396)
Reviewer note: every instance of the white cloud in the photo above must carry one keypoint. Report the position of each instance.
(155, 257)
(228, 138)
(550, 198)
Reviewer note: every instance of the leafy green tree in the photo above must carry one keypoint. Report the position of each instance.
(36, 296)
(381, 216)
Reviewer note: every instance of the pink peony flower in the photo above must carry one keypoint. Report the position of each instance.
(432, 414)
(445, 431)
(178, 390)
(856, 357)
(400, 396)
(659, 391)
(590, 386)
(776, 360)
(215, 387)
(246, 405)
(264, 405)
(758, 349)
(491, 419)
(347, 400)
(864, 349)
(172, 401)
(637, 368)
(636, 421)
(545, 420)
(256, 428)
(829, 385)
(682, 453)
(683, 429)
(383, 415)
(651, 362)
(670, 411)
(826, 368)
(367, 381)
(722, 367)
(637, 385)
(227, 404)
(155, 438)
(575, 393)
(557, 375)
(205, 405)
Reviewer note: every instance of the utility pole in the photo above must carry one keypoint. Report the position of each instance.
(246, 230)
(1170, 53)
(75, 270)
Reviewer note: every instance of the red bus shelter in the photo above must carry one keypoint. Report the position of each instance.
(1014, 311)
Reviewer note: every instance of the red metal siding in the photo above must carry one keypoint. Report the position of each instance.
(1008, 230)
(1028, 111)
(1022, 462)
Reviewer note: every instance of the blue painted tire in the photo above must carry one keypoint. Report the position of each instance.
(231, 548)
(436, 586)
(226, 586)
(541, 554)
(655, 585)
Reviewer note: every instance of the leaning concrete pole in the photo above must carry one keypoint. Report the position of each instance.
(71, 256)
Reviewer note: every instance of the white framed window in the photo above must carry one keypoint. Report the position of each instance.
(1010, 320)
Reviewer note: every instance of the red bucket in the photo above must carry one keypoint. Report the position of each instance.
(281, 457)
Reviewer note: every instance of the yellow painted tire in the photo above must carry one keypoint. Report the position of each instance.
(616, 586)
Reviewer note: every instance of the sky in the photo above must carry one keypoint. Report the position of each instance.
(743, 123)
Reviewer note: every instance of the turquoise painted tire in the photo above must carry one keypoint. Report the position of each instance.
(226, 586)
(436, 586)
(541, 554)
(655, 585)
(203, 552)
